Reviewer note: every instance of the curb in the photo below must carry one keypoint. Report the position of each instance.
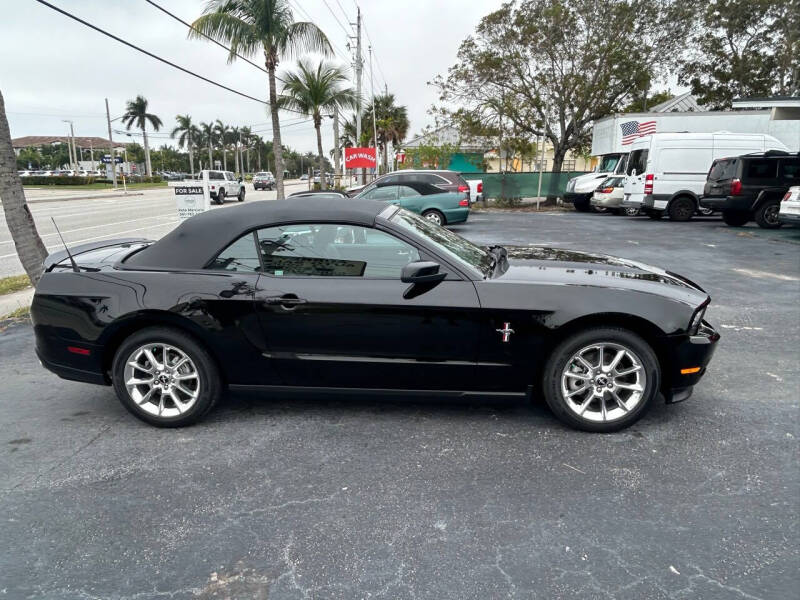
(91, 197)
(15, 300)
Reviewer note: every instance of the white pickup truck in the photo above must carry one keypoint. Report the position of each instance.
(475, 190)
(222, 184)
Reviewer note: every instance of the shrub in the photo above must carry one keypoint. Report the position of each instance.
(57, 180)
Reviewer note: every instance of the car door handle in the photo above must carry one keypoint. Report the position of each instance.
(286, 301)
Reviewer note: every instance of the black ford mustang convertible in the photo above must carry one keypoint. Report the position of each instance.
(323, 294)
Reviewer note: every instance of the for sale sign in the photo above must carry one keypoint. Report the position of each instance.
(191, 198)
(359, 158)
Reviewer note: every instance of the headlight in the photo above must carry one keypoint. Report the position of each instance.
(697, 319)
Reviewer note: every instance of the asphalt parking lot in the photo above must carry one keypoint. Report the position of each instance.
(310, 497)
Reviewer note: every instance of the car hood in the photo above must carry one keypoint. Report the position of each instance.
(569, 267)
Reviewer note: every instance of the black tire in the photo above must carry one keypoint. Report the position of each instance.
(767, 214)
(654, 214)
(631, 211)
(563, 354)
(434, 215)
(735, 218)
(582, 206)
(221, 196)
(210, 381)
(240, 197)
(681, 209)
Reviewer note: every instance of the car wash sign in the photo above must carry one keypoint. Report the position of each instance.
(359, 158)
(191, 198)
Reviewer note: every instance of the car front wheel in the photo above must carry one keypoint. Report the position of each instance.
(767, 215)
(165, 378)
(681, 209)
(601, 380)
(221, 196)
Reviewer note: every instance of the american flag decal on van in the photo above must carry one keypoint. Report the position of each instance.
(633, 129)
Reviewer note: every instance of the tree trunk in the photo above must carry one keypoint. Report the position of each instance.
(337, 152)
(30, 249)
(147, 169)
(559, 152)
(385, 157)
(224, 159)
(236, 158)
(318, 127)
(277, 148)
(191, 156)
(210, 158)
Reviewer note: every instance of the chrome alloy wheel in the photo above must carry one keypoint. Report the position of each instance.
(162, 380)
(434, 217)
(603, 382)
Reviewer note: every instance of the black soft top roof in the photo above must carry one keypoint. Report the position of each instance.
(196, 241)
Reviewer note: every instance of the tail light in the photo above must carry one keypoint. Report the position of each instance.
(463, 188)
(480, 187)
(606, 190)
(787, 197)
(648, 183)
(736, 187)
(213, 187)
(463, 202)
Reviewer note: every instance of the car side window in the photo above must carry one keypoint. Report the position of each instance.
(215, 175)
(432, 179)
(789, 171)
(241, 255)
(761, 169)
(386, 192)
(405, 191)
(333, 250)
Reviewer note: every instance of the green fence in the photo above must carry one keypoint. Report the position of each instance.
(523, 185)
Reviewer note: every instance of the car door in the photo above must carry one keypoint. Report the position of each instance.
(335, 312)
(409, 198)
(231, 184)
(384, 193)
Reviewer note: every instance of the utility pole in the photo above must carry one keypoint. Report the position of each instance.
(374, 114)
(358, 84)
(337, 158)
(111, 148)
(73, 158)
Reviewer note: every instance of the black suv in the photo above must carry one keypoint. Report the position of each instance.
(751, 186)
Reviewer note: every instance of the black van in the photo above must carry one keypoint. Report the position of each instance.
(750, 187)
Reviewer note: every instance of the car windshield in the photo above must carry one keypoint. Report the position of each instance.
(608, 164)
(723, 169)
(449, 243)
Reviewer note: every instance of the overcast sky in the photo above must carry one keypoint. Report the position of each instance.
(54, 68)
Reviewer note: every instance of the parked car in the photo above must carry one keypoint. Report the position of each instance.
(750, 187)
(304, 177)
(222, 184)
(264, 180)
(316, 194)
(789, 213)
(342, 294)
(580, 189)
(443, 208)
(25, 173)
(608, 196)
(446, 181)
(475, 190)
(666, 172)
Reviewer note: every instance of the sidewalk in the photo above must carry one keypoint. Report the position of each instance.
(33, 195)
(11, 302)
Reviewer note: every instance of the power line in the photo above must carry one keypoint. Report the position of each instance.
(344, 12)
(333, 14)
(337, 50)
(374, 54)
(150, 54)
(190, 26)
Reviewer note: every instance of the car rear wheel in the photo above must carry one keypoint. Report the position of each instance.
(681, 209)
(602, 379)
(221, 196)
(240, 197)
(631, 211)
(435, 216)
(165, 378)
(767, 215)
(735, 218)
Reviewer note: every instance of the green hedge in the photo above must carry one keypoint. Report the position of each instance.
(59, 180)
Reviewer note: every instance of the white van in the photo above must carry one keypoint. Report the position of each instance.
(666, 172)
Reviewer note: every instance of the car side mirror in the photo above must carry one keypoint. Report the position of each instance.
(425, 272)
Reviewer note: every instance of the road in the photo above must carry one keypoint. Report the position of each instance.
(290, 497)
(151, 215)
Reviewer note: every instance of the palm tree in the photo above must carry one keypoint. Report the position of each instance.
(268, 26)
(235, 134)
(314, 90)
(392, 124)
(247, 141)
(207, 131)
(28, 244)
(187, 133)
(223, 134)
(136, 114)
